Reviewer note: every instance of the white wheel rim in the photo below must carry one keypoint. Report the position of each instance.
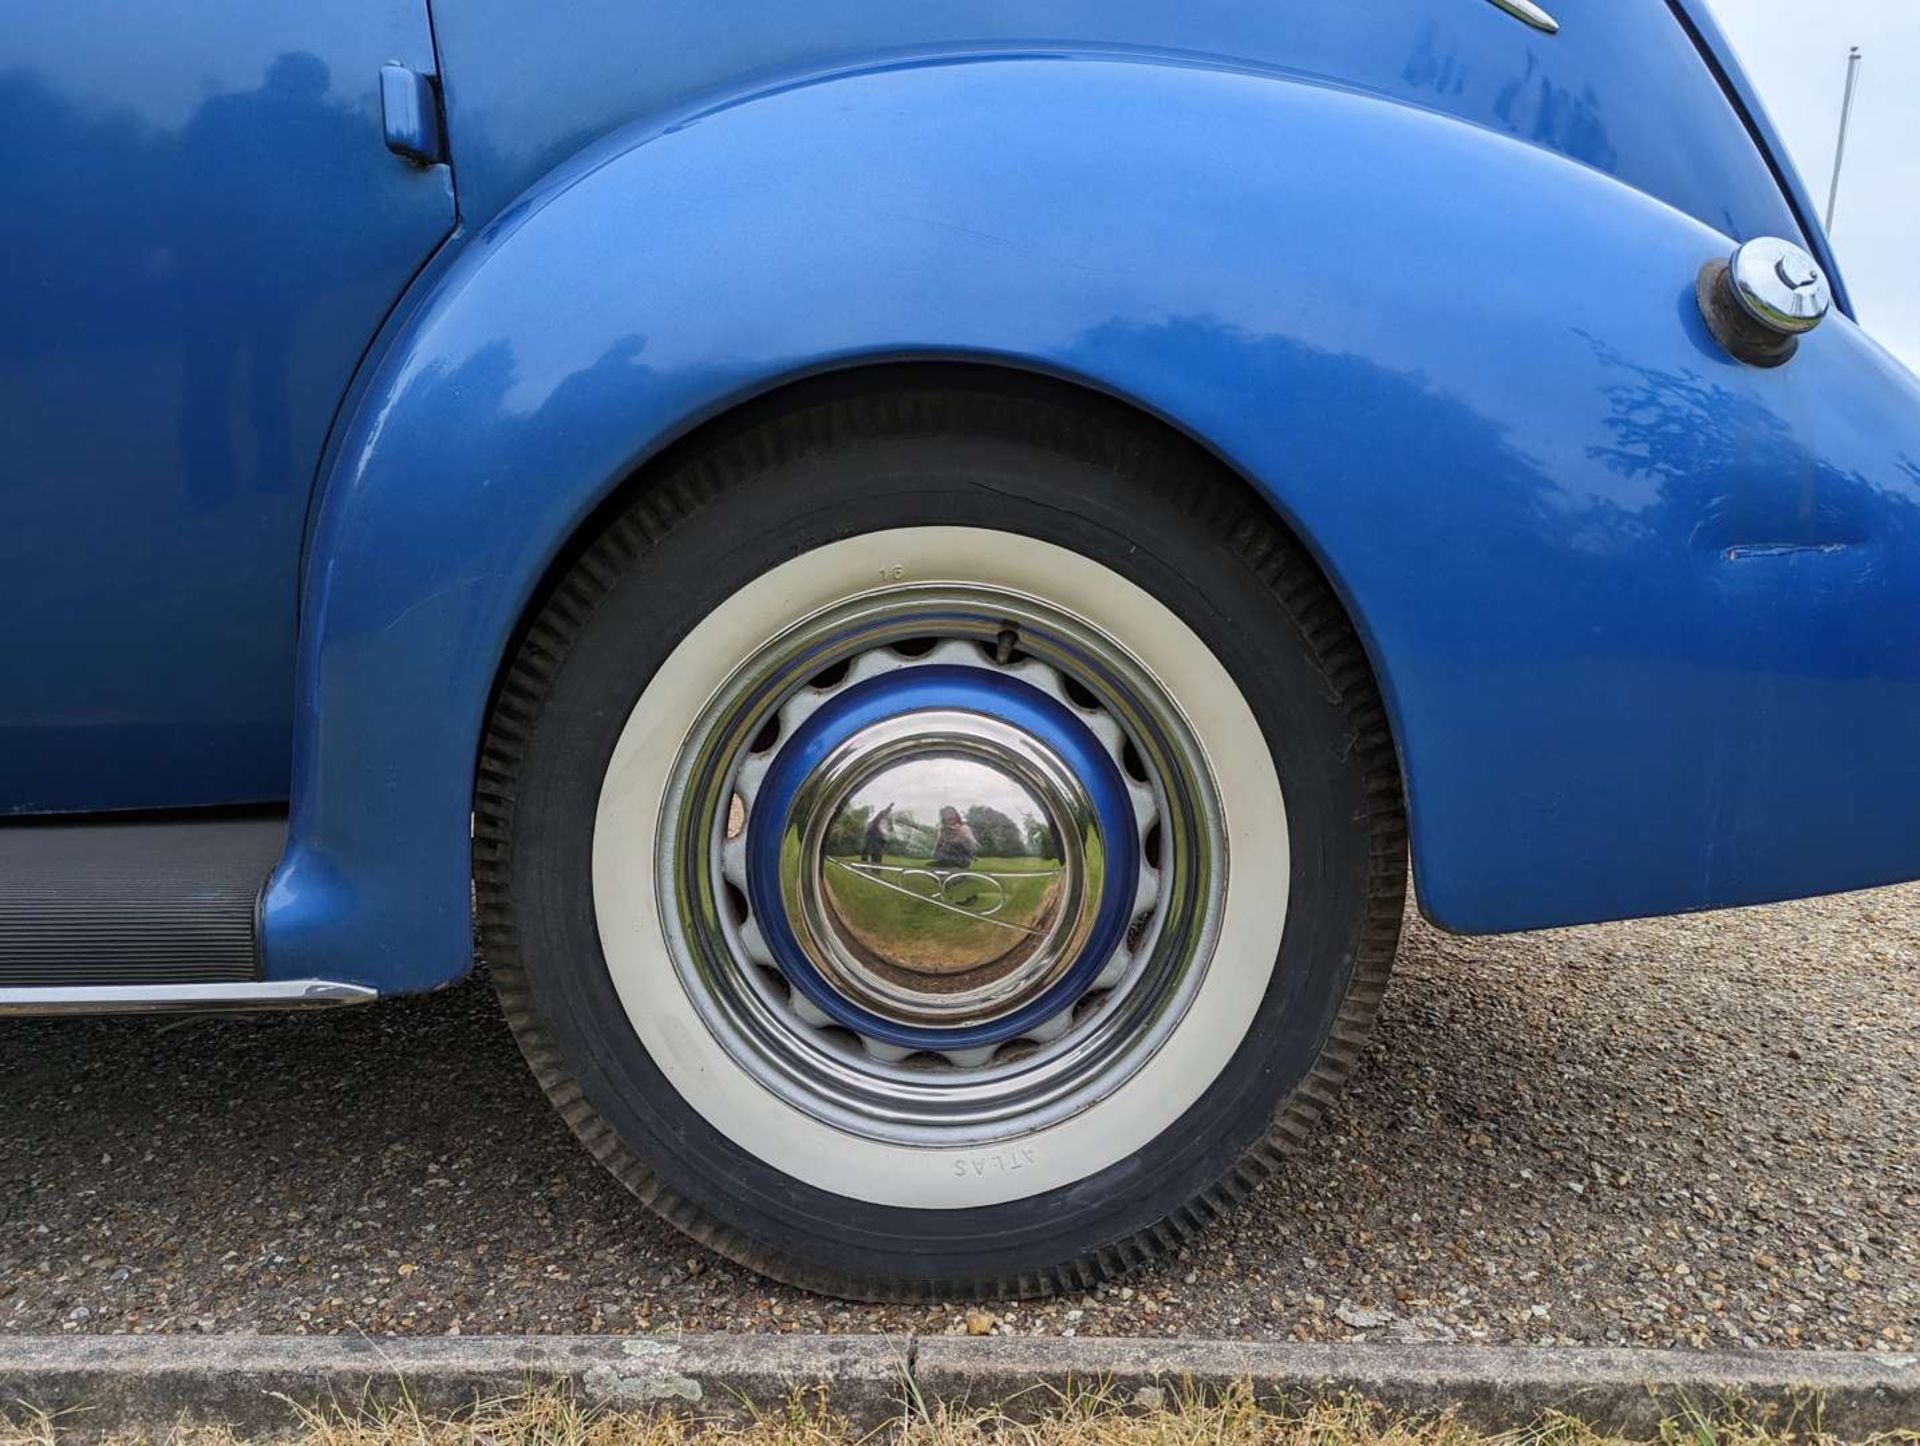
(639, 918)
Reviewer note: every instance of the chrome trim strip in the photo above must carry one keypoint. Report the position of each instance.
(176, 998)
(1531, 13)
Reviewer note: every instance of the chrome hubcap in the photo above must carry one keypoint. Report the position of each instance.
(946, 865)
(942, 868)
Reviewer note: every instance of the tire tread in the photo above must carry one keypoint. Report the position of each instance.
(1139, 455)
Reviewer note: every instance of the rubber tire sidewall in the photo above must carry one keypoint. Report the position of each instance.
(763, 516)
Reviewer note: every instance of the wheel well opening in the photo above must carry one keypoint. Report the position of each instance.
(1141, 424)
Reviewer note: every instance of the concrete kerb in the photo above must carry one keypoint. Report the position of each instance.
(99, 1384)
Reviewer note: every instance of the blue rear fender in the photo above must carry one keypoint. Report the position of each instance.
(1647, 620)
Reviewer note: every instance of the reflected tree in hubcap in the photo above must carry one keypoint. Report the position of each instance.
(942, 868)
(947, 865)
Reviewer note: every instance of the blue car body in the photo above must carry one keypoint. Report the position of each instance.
(304, 399)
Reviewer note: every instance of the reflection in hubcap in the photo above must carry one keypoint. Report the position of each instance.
(942, 867)
(946, 862)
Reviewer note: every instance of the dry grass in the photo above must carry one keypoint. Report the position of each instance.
(556, 1417)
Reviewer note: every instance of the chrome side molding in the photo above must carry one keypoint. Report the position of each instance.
(181, 998)
(1531, 13)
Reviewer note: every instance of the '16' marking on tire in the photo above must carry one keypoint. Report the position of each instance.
(1005, 1162)
(893, 572)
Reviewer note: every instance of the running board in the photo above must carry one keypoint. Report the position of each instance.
(185, 998)
(118, 912)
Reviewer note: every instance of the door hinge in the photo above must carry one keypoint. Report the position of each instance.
(410, 106)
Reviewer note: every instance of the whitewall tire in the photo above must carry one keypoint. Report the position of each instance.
(937, 844)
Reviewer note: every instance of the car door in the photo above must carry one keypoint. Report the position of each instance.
(203, 229)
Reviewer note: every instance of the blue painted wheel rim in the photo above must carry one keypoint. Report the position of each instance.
(944, 1045)
(899, 696)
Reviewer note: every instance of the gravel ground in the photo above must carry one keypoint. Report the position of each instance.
(1681, 1132)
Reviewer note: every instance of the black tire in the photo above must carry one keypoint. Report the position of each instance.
(1087, 475)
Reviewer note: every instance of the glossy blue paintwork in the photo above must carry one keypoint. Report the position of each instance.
(1648, 621)
(202, 230)
(1621, 87)
(975, 691)
(1745, 96)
